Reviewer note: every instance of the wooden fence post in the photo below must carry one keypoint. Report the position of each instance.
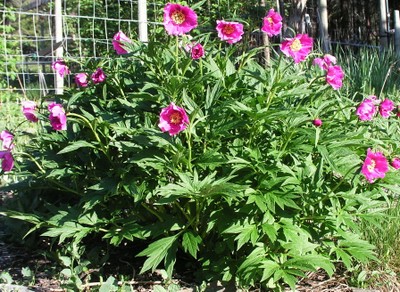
(265, 40)
(59, 86)
(142, 18)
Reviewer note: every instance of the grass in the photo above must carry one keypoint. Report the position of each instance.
(384, 234)
(371, 71)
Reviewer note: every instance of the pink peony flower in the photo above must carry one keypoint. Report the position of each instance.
(173, 119)
(334, 77)
(7, 139)
(58, 118)
(118, 42)
(60, 67)
(396, 163)
(272, 23)
(29, 110)
(7, 163)
(298, 47)
(179, 19)
(81, 79)
(375, 166)
(197, 51)
(386, 107)
(231, 32)
(317, 122)
(325, 62)
(98, 76)
(366, 110)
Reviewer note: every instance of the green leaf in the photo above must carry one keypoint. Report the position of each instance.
(269, 268)
(156, 252)
(74, 97)
(311, 262)
(190, 243)
(110, 285)
(345, 257)
(158, 288)
(76, 145)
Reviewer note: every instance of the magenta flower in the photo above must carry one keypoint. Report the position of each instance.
(366, 110)
(298, 47)
(229, 31)
(7, 139)
(396, 163)
(197, 51)
(118, 42)
(60, 67)
(173, 119)
(179, 19)
(58, 118)
(317, 122)
(272, 23)
(29, 110)
(325, 62)
(375, 166)
(334, 77)
(98, 76)
(81, 79)
(7, 162)
(386, 107)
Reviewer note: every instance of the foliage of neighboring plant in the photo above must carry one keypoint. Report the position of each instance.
(8, 47)
(261, 185)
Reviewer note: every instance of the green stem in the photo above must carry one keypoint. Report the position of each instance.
(104, 149)
(177, 55)
(65, 188)
(33, 159)
(324, 198)
(191, 221)
(152, 212)
(189, 142)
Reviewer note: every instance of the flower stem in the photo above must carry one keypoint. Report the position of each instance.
(189, 143)
(177, 55)
(152, 212)
(87, 122)
(33, 159)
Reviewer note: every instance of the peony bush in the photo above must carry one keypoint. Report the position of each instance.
(194, 155)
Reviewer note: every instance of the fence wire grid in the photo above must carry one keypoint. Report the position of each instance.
(28, 45)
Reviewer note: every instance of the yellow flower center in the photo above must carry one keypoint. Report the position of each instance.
(228, 29)
(371, 166)
(178, 17)
(175, 118)
(296, 45)
(270, 20)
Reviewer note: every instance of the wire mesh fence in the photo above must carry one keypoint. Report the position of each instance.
(29, 40)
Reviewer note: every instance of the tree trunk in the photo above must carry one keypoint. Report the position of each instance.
(296, 18)
(383, 24)
(323, 27)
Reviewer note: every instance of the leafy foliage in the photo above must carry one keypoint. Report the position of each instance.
(251, 192)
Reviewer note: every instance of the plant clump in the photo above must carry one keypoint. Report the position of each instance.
(205, 159)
